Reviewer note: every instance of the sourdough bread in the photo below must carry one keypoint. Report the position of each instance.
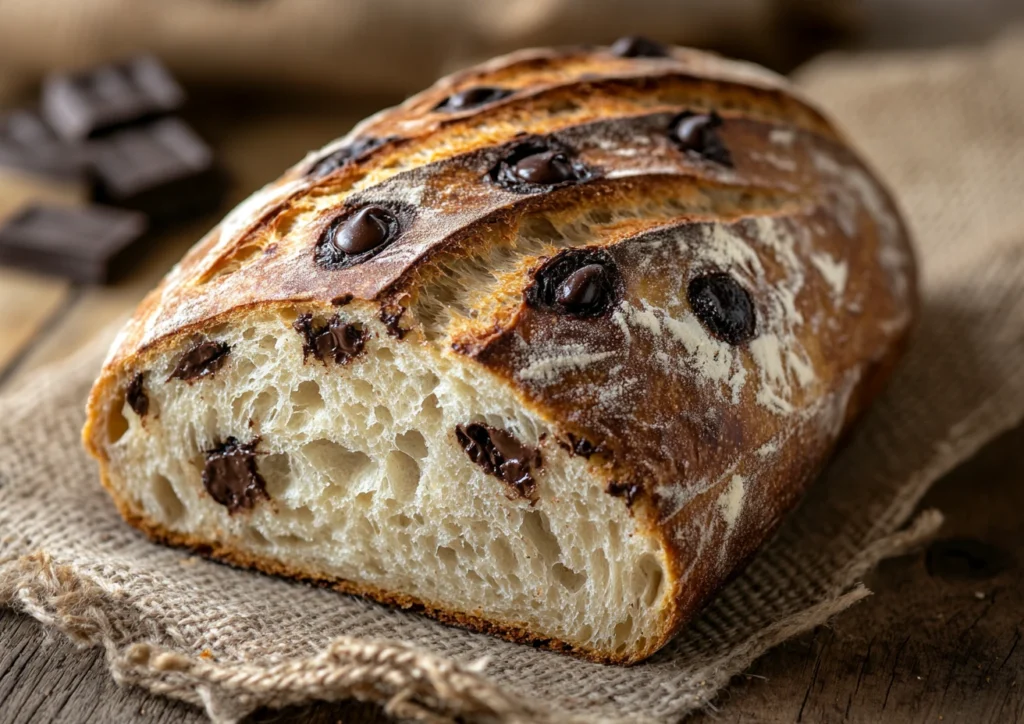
(547, 351)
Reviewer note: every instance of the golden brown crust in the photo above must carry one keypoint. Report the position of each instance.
(720, 440)
(601, 88)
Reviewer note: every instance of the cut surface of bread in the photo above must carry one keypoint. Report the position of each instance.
(546, 351)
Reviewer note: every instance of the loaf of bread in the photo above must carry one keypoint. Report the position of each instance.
(546, 351)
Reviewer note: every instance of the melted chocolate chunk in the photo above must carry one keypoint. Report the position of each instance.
(342, 300)
(332, 341)
(202, 360)
(536, 166)
(344, 156)
(230, 475)
(965, 558)
(582, 289)
(136, 396)
(366, 229)
(579, 446)
(472, 98)
(577, 282)
(390, 317)
(637, 47)
(723, 307)
(629, 491)
(357, 236)
(500, 454)
(697, 133)
(546, 169)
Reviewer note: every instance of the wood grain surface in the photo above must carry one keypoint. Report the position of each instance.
(940, 641)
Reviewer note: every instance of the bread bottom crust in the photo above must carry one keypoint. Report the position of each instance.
(515, 632)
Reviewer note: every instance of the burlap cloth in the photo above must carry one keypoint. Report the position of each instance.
(946, 130)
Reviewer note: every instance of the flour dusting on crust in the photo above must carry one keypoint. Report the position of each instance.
(730, 502)
(832, 270)
(782, 136)
(565, 359)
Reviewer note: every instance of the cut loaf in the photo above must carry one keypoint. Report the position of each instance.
(547, 351)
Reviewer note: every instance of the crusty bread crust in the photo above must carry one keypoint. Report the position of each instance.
(710, 490)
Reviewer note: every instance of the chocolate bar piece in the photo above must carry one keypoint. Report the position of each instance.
(163, 169)
(91, 244)
(29, 145)
(92, 102)
(36, 167)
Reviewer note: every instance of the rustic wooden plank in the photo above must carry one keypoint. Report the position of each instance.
(44, 679)
(47, 679)
(98, 307)
(28, 301)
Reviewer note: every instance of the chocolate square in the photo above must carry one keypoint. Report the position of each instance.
(91, 244)
(162, 168)
(29, 145)
(92, 102)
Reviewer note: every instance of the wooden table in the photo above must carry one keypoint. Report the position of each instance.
(940, 640)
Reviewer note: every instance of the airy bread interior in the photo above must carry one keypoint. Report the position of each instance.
(368, 484)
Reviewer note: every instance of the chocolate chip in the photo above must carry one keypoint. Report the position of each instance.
(548, 168)
(357, 236)
(202, 360)
(500, 454)
(629, 491)
(366, 229)
(345, 155)
(230, 475)
(136, 395)
(579, 446)
(582, 289)
(697, 133)
(577, 282)
(723, 307)
(964, 558)
(390, 317)
(638, 47)
(332, 341)
(537, 166)
(342, 300)
(472, 98)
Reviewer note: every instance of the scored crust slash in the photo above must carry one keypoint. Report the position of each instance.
(546, 351)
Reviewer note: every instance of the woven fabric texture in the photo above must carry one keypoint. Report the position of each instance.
(944, 129)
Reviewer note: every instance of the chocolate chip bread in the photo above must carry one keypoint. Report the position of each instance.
(546, 351)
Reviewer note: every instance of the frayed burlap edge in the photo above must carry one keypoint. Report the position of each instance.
(408, 682)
